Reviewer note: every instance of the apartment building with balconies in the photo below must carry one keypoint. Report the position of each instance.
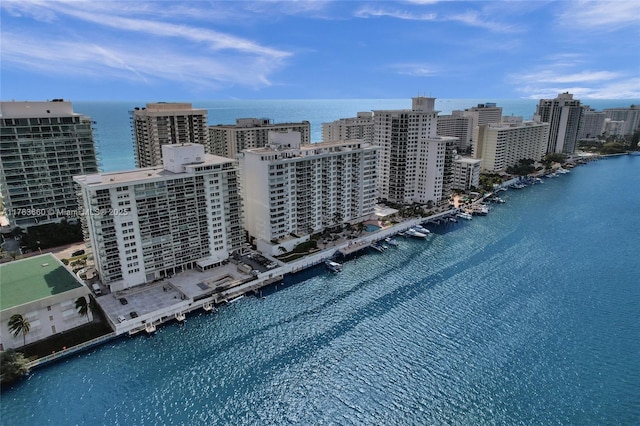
(42, 146)
(414, 163)
(500, 145)
(162, 123)
(345, 129)
(248, 133)
(146, 224)
(291, 191)
(564, 115)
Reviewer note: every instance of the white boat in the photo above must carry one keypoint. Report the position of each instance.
(180, 316)
(481, 209)
(562, 171)
(333, 266)
(415, 234)
(422, 230)
(208, 307)
(150, 328)
(465, 215)
(391, 242)
(453, 219)
(377, 247)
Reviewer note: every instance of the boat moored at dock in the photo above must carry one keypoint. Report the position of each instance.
(411, 232)
(333, 266)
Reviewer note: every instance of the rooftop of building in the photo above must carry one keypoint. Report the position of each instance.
(36, 109)
(147, 173)
(305, 150)
(168, 107)
(27, 280)
(250, 123)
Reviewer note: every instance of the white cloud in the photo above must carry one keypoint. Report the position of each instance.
(143, 50)
(367, 12)
(608, 15)
(470, 18)
(63, 57)
(414, 70)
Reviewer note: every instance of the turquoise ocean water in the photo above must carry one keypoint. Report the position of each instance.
(530, 315)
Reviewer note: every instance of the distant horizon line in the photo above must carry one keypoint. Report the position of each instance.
(302, 99)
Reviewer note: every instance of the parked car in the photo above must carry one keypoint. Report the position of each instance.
(77, 253)
(121, 318)
(134, 314)
(123, 301)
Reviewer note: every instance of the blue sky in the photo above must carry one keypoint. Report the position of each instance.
(198, 50)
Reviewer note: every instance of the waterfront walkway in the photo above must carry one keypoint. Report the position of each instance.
(157, 303)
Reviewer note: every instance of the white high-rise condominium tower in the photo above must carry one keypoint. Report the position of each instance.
(43, 145)
(501, 145)
(291, 191)
(630, 116)
(415, 163)
(247, 133)
(563, 115)
(162, 123)
(150, 223)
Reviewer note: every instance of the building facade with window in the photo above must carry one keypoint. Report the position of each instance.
(248, 133)
(291, 191)
(162, 123)
(42, 146)
(501, 145)
(150, 223)
(415, 163)
(345, 129)
(466, 173)
(564, 115)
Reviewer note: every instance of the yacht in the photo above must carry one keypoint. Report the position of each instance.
(377, 247)
(333, 266)
(422, 230)
(391, 242)
(465, 215)
(415, 234)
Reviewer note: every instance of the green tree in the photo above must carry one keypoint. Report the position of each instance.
(83, 307)
(13, 365)
(19, 325)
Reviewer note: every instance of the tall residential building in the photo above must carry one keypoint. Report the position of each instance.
(501, 145)
(42, 146)
(485, 113)
(563, 115)
(592, 124)
(291, 191)
(162, 123)
(415, 163)
(346, 129)
(458, 126)
(466, 173)
(630, 116)
(248, 133)
(145, 224)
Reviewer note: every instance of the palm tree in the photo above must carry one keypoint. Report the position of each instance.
(83, 307)
(19, 325)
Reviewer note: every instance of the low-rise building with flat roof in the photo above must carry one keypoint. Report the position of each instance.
(44, 292)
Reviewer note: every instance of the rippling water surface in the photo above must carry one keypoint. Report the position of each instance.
(530, 315)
